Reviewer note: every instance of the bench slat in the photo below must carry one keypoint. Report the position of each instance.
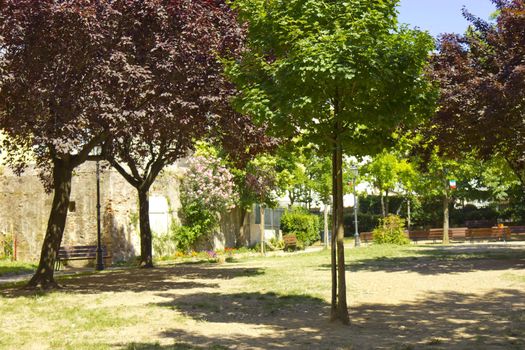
(83, 252)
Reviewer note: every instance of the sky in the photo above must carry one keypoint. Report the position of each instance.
(442, 16)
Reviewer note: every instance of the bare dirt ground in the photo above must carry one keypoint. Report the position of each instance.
(413, 303)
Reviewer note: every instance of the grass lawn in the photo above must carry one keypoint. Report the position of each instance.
(9, 268)
(416, 297)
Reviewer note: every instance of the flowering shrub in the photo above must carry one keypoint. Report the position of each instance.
(207, 191)
(210, 184)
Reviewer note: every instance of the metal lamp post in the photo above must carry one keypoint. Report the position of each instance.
(97, 151)
(354, 172)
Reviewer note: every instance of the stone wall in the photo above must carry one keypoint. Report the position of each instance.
(24, 210)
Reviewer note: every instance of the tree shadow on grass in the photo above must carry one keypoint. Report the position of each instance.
(144, 280)
(440, 320)
(445, 260)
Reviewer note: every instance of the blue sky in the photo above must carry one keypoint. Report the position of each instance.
(441, 16)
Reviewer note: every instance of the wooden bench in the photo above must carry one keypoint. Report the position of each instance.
(366, 237)
(458, 233)
(79, 252)
(436, 234)
(290, 241)
(488, 234)
(517, 232)
(418, 235)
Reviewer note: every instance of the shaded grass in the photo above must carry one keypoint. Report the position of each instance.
(11, 268)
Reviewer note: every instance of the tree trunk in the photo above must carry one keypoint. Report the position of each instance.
(261, 227)
(62, 174)
(342, 308)
(241, 236)
(383, 212)
(146, 251)
(333, 249)
(409, 223)
(387, 203)
(325, 222)
(446, 202)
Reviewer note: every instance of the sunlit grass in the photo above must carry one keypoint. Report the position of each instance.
(96, 320)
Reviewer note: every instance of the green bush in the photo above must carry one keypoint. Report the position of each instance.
(186, 236)
(391, 230)
(304, 225)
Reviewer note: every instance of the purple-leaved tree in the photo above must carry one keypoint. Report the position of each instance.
(168, 80)
(53, 63)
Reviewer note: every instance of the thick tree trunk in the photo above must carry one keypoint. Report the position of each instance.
(342, 308)
(146, 250)
(62, 174)
(261, 227)
(446, 215)
(240, 240)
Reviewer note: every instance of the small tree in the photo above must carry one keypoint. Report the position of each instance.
(340, 72)
(388, 172)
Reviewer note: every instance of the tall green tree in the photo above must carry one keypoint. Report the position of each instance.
(342, 73)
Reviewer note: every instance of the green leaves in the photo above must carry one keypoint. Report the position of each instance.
(305, 57)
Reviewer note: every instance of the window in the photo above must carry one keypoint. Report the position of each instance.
(272, 217)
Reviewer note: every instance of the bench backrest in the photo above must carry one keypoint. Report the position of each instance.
(418, 234)
(290, 239)
(367, 236)
(80, 251)
(517, 229)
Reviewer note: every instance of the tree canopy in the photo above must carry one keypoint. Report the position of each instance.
(482, 79)
(54, 100)
(168, 81)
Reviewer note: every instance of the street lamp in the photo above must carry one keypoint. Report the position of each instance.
(354, 171)
(97, 151)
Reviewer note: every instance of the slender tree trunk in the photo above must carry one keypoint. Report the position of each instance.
(387, 203)
(325, 222)
(62, 174)
(446, 214)
(409, 223)
(146, 250)
(333, 248)
(261, 227)
(342, 308)
(383, 211)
